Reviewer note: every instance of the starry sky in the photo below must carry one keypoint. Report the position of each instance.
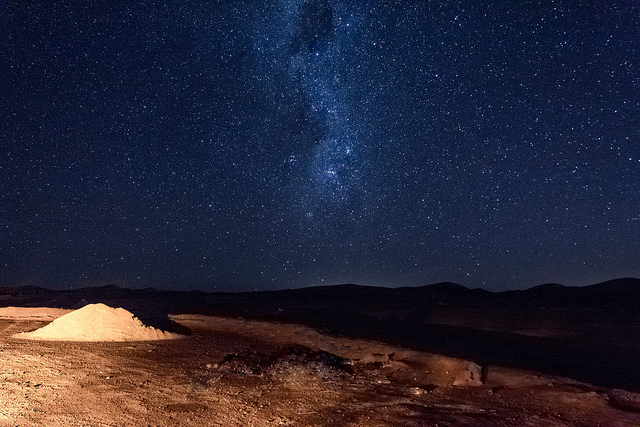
(241, 145)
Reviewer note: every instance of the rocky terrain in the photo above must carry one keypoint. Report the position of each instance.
(344, 356)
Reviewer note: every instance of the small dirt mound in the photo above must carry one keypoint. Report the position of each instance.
(98, 322)
(253, 362)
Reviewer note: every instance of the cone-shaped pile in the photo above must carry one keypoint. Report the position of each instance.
(98, 322)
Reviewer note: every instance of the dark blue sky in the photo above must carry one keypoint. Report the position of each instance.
(227, 145)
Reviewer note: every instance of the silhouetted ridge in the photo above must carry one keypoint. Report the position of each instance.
(445, 288)
(26, 290)
(346, 290)
(618, 286)
(548, 286)
(547, 290)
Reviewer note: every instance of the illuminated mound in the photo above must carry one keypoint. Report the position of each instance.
(98, 322)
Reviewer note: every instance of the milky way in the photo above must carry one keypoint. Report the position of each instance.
(308, 48)
(275, 144)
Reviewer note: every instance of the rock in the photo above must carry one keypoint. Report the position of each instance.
(427, 388)
(624, 400)
(374, 359)
(469, 376)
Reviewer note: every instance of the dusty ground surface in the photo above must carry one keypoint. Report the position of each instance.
(235, 372)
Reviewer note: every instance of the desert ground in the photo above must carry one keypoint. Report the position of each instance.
(239, 372)
(330, 357)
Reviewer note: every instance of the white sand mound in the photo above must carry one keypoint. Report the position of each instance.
(98, 322)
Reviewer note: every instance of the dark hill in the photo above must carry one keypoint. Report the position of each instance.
(623, 286)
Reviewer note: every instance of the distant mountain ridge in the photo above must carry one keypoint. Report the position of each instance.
(616, 293)
(611, 288)
(617, 286)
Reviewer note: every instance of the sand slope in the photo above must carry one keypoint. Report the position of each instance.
(98, 322)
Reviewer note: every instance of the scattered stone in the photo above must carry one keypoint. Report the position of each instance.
(416, 390)
(377, 359)
(428, 388)
(470, 376)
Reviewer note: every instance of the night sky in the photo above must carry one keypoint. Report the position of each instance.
(228, 145)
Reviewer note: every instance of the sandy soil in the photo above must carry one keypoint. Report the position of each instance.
(235, 372)
(32, 313)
